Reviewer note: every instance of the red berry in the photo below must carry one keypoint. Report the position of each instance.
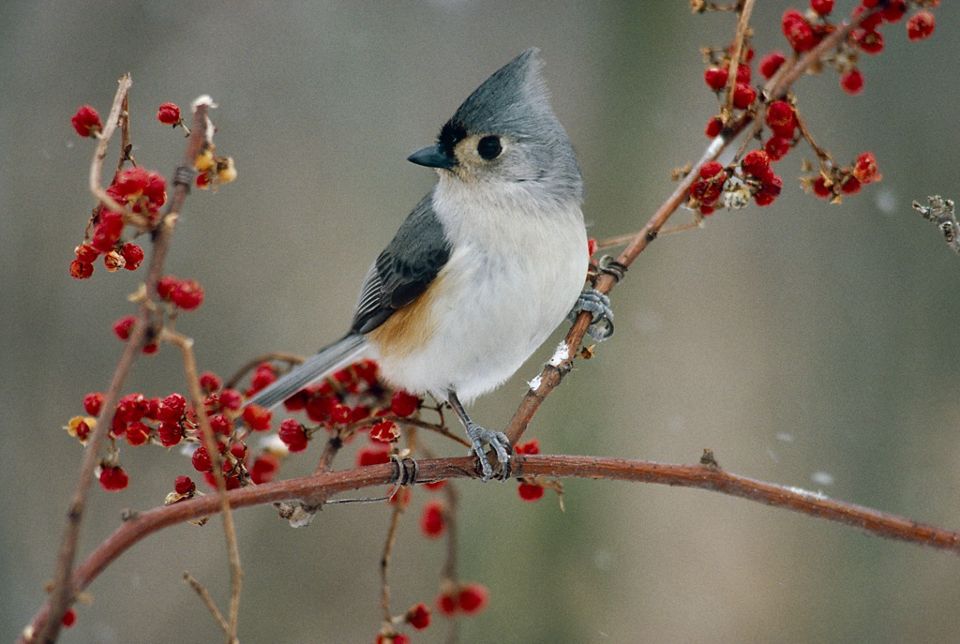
(209, 382)
(92, 403)
(921, 25)
(261, 378)
(188, 295)
(447, 604)
(170, 434)
(894, 10)
(137, 433)
(257, 418)
(871, 21)
(264, 468)
(231, 399)
(432, 521)
(150, 348)
(714, 127)
(372, 456)
(866, 169)
(184, 485)
(869, 41)
(403, 404)
(69, 618)
(340, 414)
(201, 460)
(123, 326)
(850, 186)
(716, 78)
(781, 118)
(221, 424)
(385, 432)
(710, 169)
(80, 270)
(530, 447)
(822, 7)
(756, 163)
(132, 255)
(172, 407)
(168, 113)
(107, 231)
(130, 184)
(393, 638)
(769, 191)
(777, 147)
(86, 253)
(743, 73)
(530, 491)
(239, 451)
(852, 81)
(771, 63)
(473, 598)
(418, 616)
(743, 96)
(113, 478)
(319, 407)
(798, 31)
(166, 285)
(86, 121)
(293, 435)
(821, 189)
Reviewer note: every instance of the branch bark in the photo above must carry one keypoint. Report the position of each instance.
(324, 485)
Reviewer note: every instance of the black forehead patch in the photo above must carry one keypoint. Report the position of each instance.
(451, 133)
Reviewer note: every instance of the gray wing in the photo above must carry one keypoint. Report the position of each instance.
(404, 269)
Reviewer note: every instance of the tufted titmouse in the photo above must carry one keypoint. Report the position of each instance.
(485, 267)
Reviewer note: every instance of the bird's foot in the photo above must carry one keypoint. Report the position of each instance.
(498, 441)
(598, 305)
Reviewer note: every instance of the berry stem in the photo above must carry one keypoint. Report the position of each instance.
(185, 345)
(743, 30)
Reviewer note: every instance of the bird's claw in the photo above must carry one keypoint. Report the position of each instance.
(598, 305)
(480, 436)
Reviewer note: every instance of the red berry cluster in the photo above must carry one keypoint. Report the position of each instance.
(805, 31)
(171, 420)
(138, 189)
(468, 599)
(753, 177)
(833, 182)
(350, 400)
(183, 294)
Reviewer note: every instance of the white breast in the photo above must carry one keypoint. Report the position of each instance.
(516, 269)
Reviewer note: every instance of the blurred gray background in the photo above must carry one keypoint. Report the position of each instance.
(796, 339)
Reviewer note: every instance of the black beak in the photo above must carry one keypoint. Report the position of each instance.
(432, 156)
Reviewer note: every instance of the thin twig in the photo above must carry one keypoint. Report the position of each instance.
(330, 451)
(207, 600)
(822, 154)
(385, 561)
(743, 28)
(62, 594)
(712, 478)
(185, 345)
(290, 358)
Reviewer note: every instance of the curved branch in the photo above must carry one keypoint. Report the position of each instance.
(777, 87)
(324, 485)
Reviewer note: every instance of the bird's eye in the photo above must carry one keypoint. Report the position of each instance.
(489, 147)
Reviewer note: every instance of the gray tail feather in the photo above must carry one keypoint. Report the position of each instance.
(326, 361)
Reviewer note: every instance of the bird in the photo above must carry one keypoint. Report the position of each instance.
(489, 262)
